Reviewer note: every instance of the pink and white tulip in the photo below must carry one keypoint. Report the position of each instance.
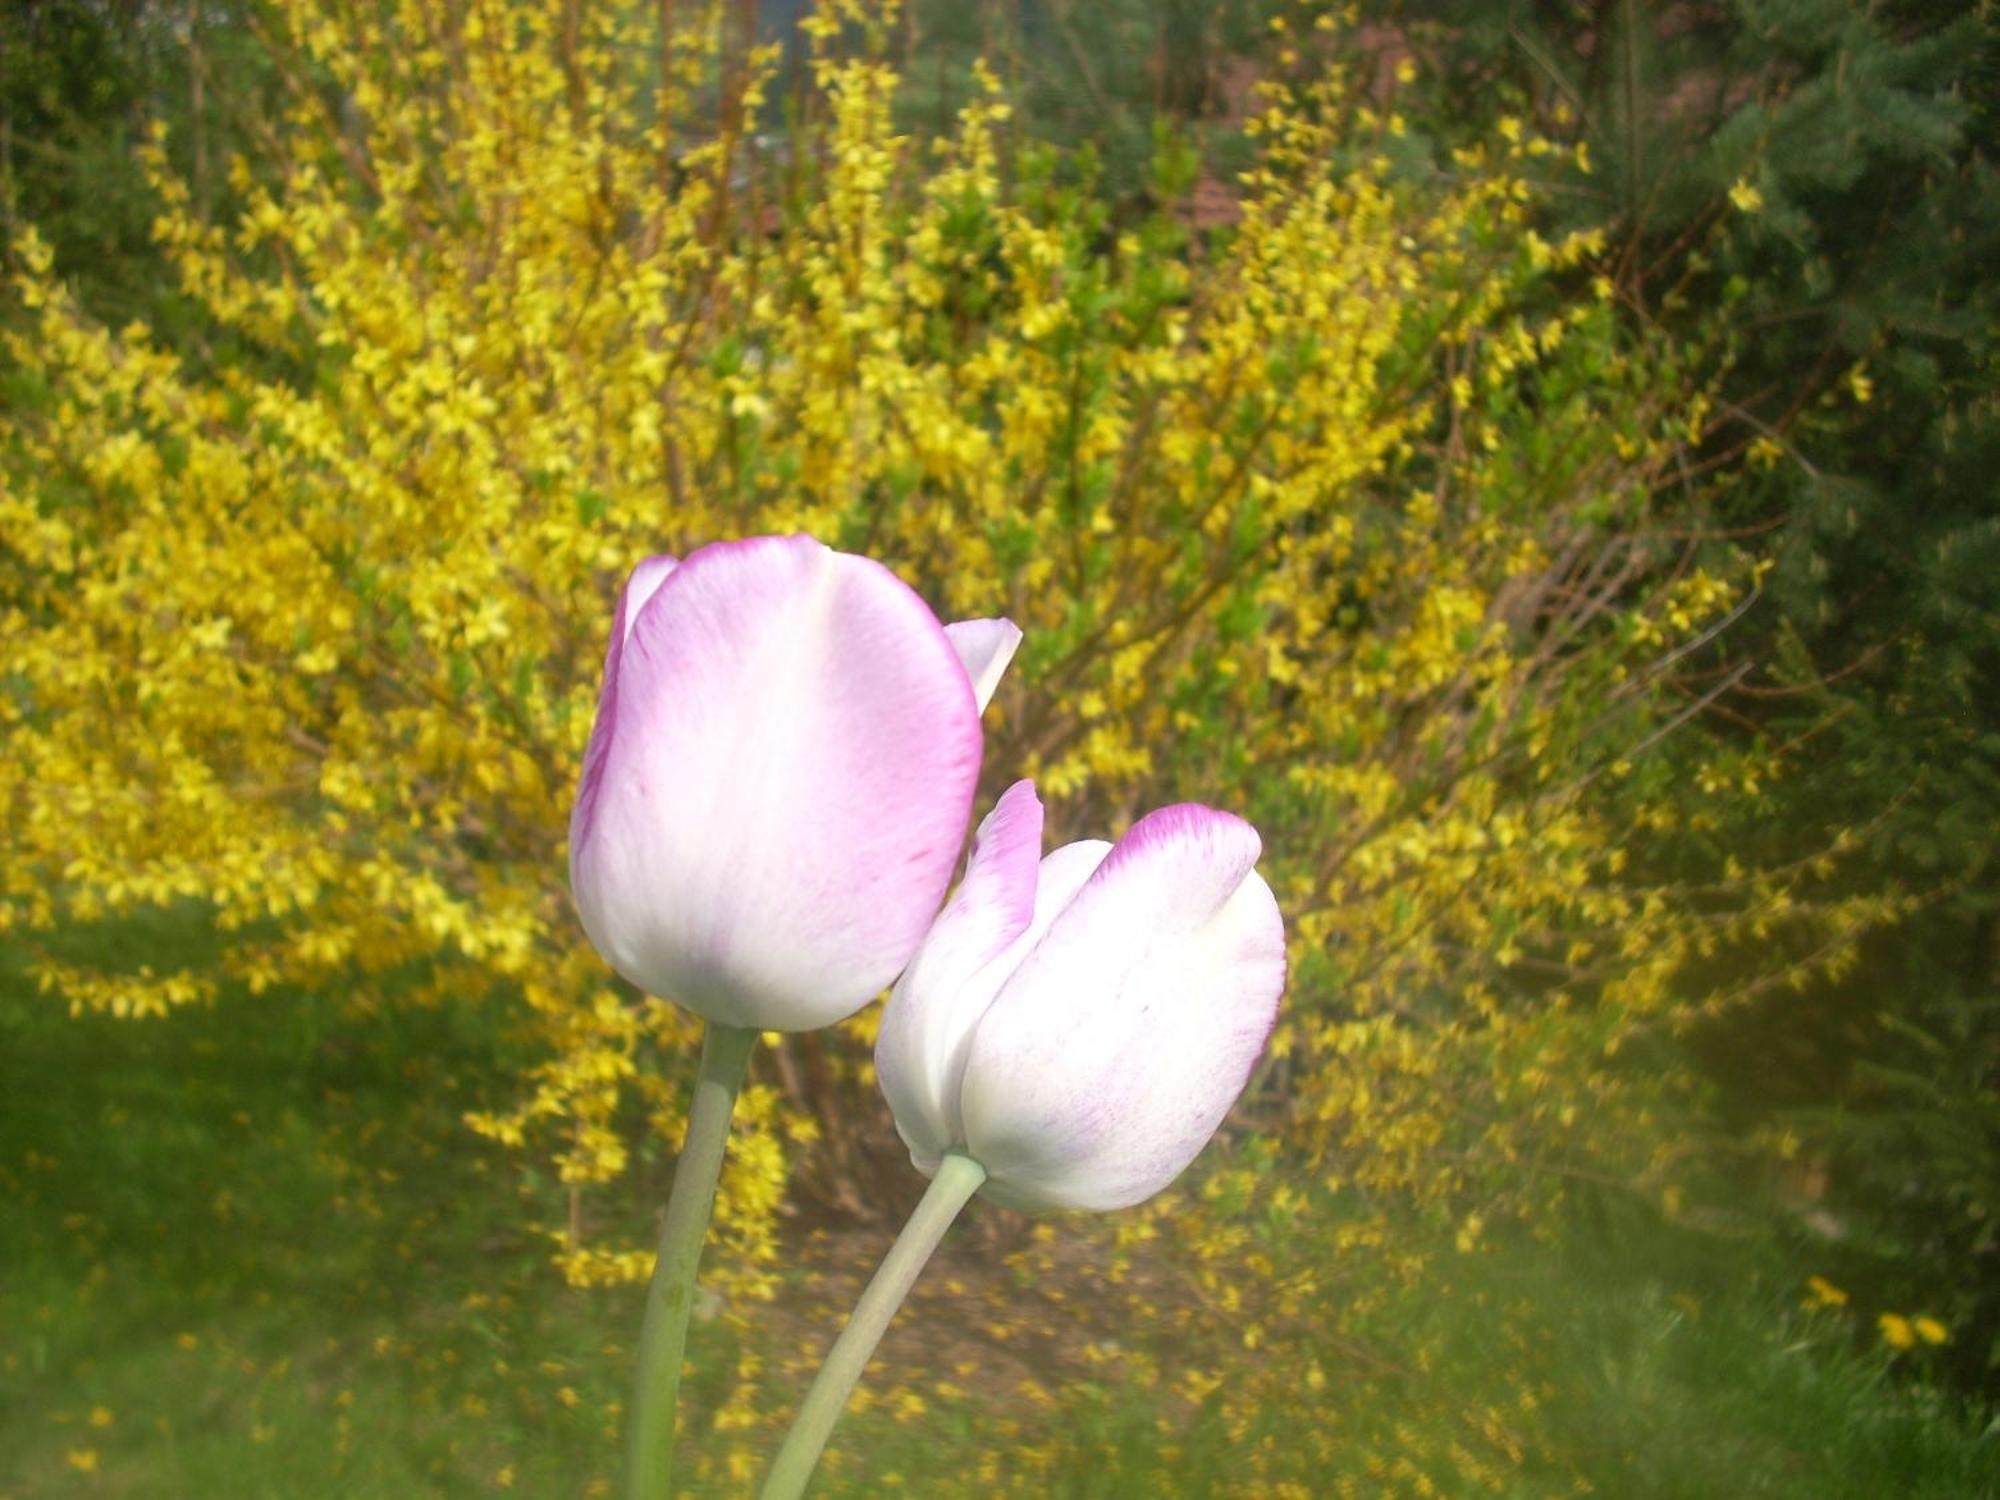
(779, 779)
(1080, 1024)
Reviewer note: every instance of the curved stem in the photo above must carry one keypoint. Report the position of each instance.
(958, 1178)
(725, 1054)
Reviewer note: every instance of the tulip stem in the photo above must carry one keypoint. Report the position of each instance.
(958, 1178)
(725, 1055)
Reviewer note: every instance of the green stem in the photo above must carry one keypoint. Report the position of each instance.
(725, 1054)
(958, 1178)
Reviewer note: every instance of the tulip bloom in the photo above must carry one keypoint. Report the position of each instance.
(779, 779)
(1079, 1025)
(1069, 1036)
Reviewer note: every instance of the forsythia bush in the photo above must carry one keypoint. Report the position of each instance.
(1365, 514)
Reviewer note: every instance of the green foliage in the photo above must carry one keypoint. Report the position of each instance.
(254, 1254)
(72, 92)
(260, 1255)
(1915, 1137)
(1109, 76)
(79, 80)
(1814, 178)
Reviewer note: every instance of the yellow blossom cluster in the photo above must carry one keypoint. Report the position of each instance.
(1343, 515)
(1903, 1333)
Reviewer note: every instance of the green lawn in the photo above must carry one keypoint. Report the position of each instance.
(251, 1251)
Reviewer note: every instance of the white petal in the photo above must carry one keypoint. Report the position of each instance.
(788, 757)
(985, 647)
(920, 1049)
(1059, 877)
(1115, 1049)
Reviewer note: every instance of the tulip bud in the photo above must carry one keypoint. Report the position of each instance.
(778, 780)
(1079, 1025)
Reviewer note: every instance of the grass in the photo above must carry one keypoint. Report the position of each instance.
(256, 1245)
(251, 1251)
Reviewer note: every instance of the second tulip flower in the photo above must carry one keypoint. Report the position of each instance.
(1080, 1024)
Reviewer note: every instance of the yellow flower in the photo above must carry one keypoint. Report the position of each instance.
(1930, 1330)
(1248, 562)
(1746, 198)
(1822, 1293)
(83, 1460)
(1896, 1330)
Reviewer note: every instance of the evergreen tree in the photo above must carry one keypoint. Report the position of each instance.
(1812, 182)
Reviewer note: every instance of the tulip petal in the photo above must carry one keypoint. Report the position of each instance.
(641, 586)
(789, 764)
(927, 1027)
(643, 583)
(985, 647)
(1114, 1051)
(920, 1049)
